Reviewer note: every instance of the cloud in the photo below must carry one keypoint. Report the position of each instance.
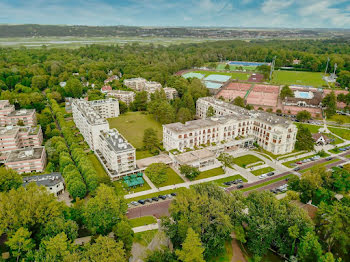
(273, 6)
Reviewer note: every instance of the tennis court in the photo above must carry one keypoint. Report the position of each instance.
(212, 85)
(193, 75)
(264, 95)
(217, 78)
(234, 90)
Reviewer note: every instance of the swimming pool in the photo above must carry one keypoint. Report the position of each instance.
(303, 95)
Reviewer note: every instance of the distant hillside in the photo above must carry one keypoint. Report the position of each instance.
(32, 30)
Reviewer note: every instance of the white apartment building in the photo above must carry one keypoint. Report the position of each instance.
(170, 93)
(88, 121)
(229, 126)
(126, 96)
(116, 153)
(54, 182)
(141, 84)
(106, 108)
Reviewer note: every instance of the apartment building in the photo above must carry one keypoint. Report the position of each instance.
(88, 121)
(54, 182)
(170, 93)
(230, 126)
(126, 96)
(27, 160)
(16, 137)
(10, 116)
(117, 154)
(106, 108)
(141, 84)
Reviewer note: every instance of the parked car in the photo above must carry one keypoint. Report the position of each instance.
(329, 158)
(340, 166)
(155, 198)
(240, 186)
(270, 173)
(299, 163)
(162, 197)
(273, 191)
(296, 169)
(227, 183)
(141, 201)
(173, 194)
(239, 180)
(169, 196)
(149, 200)
(135, 203)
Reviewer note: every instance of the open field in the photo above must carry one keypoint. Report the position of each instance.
(142, 221)
(132, 125)
(234, 75)
(173, 178)
(211, 172)
(313, 128)
(342, 132)
(101, 172)
(220, 182)
(243, 161)
(261, 171)
(298, 78)
(142, 154)
(221, 66)
(340, 119)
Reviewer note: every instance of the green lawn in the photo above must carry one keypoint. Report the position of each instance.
(142, 221)
(266, 183)
(211, 172)
(235, 67)
(243, 161)
(142, 154)
(298, 78)
(340, 119)
(120, 183)
(234, 75)
(144, 238)
(132, 125)
(225, 256)
(287, 164)
(220, 181)
(173, 178)
(101, 172)
(336, 139)
(319, 165)
(261, 171)
(342, 132)
(313, 128)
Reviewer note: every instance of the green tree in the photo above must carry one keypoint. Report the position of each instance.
(124, 233)
(123, 107)
(150, 140)
(140, 102)
(286, 92)
(74, 88)
(309, 249)
(104, 211)
(303, 115)
(227, 67)
(330, 104)
(162, 255)
(20, 243)
(39, 82)
(344, 79)
(189, 171)
(58, 225)
(184, 115)
(157, 173)
(210, 111)
(105, 249)
(239, 101)
(226, 160)
(192, 250)
(304, 140)
(9, 179)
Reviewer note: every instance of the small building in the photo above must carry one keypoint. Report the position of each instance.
(111, 79)
(203, 159)
(170, 93)
(27, 160)
(321, 139)
(125, 96)
(106, 88)
(68, 104)
(53, 182)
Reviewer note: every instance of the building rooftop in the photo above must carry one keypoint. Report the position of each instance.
(22, 112)
(190, 157)
(116, 141)
(25, 154)
(45, 180)
(88, 111)
(11, 130)
(122, 92)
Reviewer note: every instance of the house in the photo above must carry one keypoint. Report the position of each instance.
(111, 79)
(106, 88)
(321, 139)
(53, 182)
(203, 159)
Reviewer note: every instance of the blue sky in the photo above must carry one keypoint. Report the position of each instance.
(235, 13)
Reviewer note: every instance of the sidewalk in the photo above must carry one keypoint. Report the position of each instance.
(145, 228)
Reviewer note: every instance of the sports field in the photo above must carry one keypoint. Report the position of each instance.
(298, 78)
(235, 67)
(234, 75)
(132, 125)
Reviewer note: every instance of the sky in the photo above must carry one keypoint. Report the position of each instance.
(220, 13)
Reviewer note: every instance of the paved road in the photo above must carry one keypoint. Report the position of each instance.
(159, 209)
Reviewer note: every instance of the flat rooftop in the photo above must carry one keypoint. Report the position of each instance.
(89, 112)
(192, 156)
(45, 180)
(116, 141)
(121, 92)
(25, 154)
(22, 112)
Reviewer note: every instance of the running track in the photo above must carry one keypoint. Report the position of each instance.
(160, 208)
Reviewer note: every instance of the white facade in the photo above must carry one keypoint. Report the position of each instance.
(126, 96)
(118, 155)
(170, 93)
(141, 84)
(231, 123)
(53, 182)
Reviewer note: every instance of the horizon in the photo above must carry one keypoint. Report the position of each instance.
(289, 14)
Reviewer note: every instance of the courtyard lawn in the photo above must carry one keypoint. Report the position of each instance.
(173, 178)
(132, 125)
(211, 172)
(266, 183)
(298, 78)
(234, 75)
(220, 182)
(142, 154)
(313, 128)
(101, 172)
(243, 161)
(144, 238)
(261, 171)
(320, 165)
(142, 221)
(342, 132)
(336, 139)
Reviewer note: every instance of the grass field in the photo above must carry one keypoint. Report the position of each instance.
(221, 66)
(132, 125)
(142, 154)
(220, 182)
(340, 119)
(142, 221)
(336, 150)
(343, 133)
(144, 238)
(261, 171)
(319, 165)
(242, 161)
(173, 178)
(266, 183)
(211, 172)
(298, 78)
(101, 172)
(313, 128)
(234, 75)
